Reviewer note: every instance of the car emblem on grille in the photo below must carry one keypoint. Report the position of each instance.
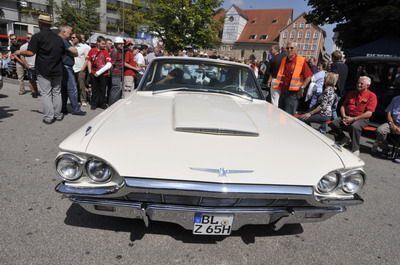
(222, 172)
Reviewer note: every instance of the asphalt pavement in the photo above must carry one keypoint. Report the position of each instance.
(39, 226)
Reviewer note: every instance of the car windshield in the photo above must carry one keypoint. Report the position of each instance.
(202, 76)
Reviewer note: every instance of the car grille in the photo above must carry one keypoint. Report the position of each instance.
(213, 202)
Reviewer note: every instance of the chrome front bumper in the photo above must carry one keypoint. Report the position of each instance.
(114, 201)
(183, 215)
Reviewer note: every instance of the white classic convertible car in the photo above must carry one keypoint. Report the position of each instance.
(198, 145)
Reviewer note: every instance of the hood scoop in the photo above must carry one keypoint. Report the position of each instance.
(211, 114)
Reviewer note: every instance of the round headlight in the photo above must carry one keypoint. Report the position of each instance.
(353, 183)
(328, 183)
(98, 171)
(68, 167)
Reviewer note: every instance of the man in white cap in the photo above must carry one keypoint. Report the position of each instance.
(117, 59)
(49, 49)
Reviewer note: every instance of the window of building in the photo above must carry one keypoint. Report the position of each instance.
(252, 37)
(314, 47)
(274, 21)
(292, 34)
(285, 34)
(306, 47)
(231, 19)
(20, 30)
(308, 26)
(316, 35)
(294, 25)
(308, 34)
(301, 25)
(263, 37)
(299, 35)
(253, 22)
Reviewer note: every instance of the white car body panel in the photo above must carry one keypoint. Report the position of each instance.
(137, 137)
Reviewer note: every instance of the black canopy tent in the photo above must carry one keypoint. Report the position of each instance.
(380, 60)
(388, 46)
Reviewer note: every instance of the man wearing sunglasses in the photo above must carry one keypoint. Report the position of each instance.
(293, 76)
(19, 64)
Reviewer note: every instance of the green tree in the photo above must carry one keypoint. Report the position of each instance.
(132, 16)
(82, 16)
(359, 21)
(184, 22)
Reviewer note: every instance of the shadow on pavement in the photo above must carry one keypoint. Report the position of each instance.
(77, 216)
(3, 96)
(6, 112)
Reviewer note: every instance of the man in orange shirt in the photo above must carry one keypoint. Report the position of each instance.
(293, 76)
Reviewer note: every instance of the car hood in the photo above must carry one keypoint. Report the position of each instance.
(208, 137)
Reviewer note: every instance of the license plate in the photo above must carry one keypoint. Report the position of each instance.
(212, 224)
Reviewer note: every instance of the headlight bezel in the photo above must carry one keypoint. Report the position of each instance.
(83, 160)
(345, 176)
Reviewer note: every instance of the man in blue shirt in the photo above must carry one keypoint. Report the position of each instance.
(391, 126)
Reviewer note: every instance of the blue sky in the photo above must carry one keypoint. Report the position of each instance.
(298, 6)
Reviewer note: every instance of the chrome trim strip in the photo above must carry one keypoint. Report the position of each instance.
(224, 188)
(215, 190)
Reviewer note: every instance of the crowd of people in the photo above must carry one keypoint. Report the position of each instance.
(293, 79)
(66, 69)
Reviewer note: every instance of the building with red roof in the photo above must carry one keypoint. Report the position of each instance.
(252, 31)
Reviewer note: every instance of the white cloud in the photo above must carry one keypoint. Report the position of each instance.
(239, 3)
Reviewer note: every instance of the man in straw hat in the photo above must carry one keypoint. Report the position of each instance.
(49, 49)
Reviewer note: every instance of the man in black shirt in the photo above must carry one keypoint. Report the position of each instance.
(49, 49)
(340, 68)
(274, 65)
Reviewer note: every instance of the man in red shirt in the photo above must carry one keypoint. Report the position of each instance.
(356, 110)
(131, 68)
(293, 76)
(99, 62)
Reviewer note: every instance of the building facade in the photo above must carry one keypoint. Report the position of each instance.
(20, 17)
(252, 31)
(310, 38)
